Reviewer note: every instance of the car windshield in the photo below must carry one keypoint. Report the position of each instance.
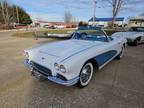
(137, 29)
(91, 34)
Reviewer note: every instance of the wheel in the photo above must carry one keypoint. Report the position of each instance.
(120, 54)
(85, 75)
(136, 42)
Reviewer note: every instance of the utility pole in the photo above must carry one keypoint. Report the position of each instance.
(17, 14)
(94, 11)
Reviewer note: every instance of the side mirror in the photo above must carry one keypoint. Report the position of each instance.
(109, 39)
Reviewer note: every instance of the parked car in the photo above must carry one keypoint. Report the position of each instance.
(133, 35)
(49, 27)
(60, 26)
(73, 61)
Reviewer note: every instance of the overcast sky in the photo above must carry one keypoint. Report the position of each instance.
(53, 10)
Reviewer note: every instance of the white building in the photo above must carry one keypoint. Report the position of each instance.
(136, 21)
(104, 22)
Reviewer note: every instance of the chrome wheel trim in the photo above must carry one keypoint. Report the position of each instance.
(86, 74)
(121, 54)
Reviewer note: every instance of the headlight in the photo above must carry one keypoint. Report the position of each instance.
(56, 66)
(26, 55)
(62, 69)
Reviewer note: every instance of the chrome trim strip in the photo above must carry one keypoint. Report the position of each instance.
(62, 82)
(107, 62)
(49, 54)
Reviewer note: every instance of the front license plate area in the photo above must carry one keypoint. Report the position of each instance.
(38, 75)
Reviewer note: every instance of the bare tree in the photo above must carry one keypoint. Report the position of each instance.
(3, 12)
(11, 14)
(116, 7)
(68, 17)
(7, 13)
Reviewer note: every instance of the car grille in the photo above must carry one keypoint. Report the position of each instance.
(41, 69)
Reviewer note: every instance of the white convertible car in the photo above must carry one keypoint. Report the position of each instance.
(73, 61)
(133, 35)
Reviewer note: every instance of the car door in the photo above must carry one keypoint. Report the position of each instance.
(141, 30)
(142, 38)
(112, 48)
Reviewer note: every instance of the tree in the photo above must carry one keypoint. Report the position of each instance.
(10, 14)
(81, 23)
(24, 18)
(116, 7)
(4, 11)
(68, 17)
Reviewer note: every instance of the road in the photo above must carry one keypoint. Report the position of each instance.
(118, 85)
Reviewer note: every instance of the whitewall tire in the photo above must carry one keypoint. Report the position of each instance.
(85, 75)
(121, 53)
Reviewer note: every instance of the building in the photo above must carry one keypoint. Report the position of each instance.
(104, 22)
(136, 21)
(39, 23)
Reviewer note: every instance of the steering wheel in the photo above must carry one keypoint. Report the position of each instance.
(83, 35)
(76, 35)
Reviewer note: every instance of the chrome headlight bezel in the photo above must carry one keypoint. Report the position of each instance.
(26, 54)
(56, 66)
(62, 69)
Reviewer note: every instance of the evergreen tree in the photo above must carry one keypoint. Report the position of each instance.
(8, 14)
(24, 18)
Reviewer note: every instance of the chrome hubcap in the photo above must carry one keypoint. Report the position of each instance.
(86, 74)
(121, 55)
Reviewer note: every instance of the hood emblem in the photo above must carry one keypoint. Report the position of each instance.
(42, 58)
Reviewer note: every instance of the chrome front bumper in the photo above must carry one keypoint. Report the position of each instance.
(53, 78)
(27, 64)
(62, 82)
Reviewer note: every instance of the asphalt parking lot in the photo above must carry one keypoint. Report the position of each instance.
(118, 85)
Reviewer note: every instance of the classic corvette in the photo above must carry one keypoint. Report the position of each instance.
(133, 35)
(73, 61)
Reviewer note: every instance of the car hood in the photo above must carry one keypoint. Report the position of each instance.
(47, 54)
(66, 48)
